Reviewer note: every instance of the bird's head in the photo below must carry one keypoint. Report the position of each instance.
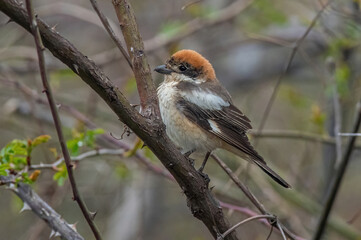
(187, 65)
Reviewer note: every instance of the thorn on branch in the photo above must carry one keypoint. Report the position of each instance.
(93, 214)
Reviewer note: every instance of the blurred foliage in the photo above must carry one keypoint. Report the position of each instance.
(130, 86)
(170, 28)
(262, 14)
(122, 171)
(294, 97)
(318, 118)
(82, 139)
(61, 75)
(79, 141)
(202, 11)
(61, 175)
(16, 156)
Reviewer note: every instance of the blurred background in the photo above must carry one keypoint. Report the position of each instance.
(249, 43)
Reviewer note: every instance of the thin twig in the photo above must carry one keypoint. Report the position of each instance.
(281, 230)
(78, 158)
(270, 233)
(354, 217)
(249, 194)
(243, 187)
(336, 181)
(350, 134)
(110, 31)
(222, 236)
(297, 45)
(40, 50)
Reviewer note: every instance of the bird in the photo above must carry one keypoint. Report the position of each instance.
(199, 114)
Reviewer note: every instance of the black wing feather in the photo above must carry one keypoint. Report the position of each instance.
(232, 127)
(232, 123)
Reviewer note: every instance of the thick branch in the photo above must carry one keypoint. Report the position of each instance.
(200, 199)
(43, 210)
(141, 69)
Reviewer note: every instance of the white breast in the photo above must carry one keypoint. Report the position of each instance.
(180, 130)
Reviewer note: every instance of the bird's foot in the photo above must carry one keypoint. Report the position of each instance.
(204, 176)
(191, 161)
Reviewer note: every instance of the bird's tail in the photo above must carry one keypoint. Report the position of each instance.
(272, 174)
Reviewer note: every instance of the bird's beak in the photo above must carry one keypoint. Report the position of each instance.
(163, 69)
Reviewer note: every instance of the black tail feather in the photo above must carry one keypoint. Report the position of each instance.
(272, 174)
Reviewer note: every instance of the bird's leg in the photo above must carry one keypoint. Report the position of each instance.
(200, 170)
(187, 154)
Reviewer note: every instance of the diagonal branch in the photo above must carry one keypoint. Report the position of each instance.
(251, 197)
(110, 31)
(40, 50)
(42, 209)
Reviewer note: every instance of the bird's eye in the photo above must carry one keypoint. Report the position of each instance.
(182, 68)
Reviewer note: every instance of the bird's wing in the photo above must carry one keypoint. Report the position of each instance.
(217, 115)
(225, 121)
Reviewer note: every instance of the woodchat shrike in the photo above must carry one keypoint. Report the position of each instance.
(199, 114)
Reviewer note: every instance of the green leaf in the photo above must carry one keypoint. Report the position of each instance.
(294, 97)
(4, 169)
(80, 140)
(40, 139)
(14, 152)
(262, 14)
(73, 146)
(318, 118)
(62, 74)
(61, 175)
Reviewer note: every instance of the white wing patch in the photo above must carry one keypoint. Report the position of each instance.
(204, 99)
(214, 126)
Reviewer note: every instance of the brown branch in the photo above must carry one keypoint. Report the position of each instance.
(195, 187)
(42, 209)
(40, 50)
(141, 69)
(110, 31)
(251, 197)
